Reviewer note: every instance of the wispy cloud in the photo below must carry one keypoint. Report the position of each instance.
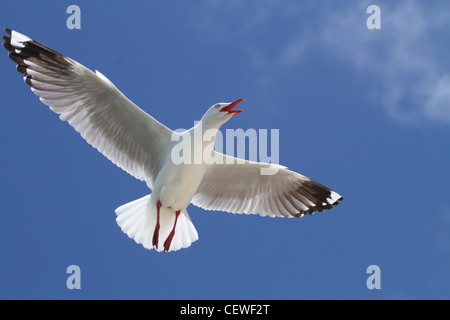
(404, 59)
(406, 62)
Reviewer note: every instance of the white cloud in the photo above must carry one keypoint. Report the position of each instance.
(406, 62)
(437, 105)
(402, 58)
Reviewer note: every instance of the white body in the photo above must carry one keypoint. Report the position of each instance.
(176, 184)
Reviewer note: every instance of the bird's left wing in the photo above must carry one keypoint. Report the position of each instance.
(90, 103)
(238, 186)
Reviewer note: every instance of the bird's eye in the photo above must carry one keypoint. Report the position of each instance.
(217, 106)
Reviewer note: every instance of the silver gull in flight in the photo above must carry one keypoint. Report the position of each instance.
(142, 146)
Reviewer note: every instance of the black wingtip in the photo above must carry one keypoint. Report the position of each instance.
(21, 69)
(319, 195)
(7, 42)
(16, 58)
(8, 31)
(28, 80)
(7, 46)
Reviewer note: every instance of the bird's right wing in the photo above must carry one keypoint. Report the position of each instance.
(241, 186)
(90, 103)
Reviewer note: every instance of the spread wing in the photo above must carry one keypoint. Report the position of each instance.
(242, 188)
(90, 103)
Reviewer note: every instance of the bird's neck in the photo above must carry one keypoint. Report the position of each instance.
(205, 131)
(203, 136)
(196, 145)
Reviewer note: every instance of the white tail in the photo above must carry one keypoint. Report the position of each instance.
(138, 220)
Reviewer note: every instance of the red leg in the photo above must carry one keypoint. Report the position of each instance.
(156, 232)
(172, 233)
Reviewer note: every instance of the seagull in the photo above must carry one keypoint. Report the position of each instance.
(139, 144)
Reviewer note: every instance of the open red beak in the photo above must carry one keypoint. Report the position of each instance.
(229, 107)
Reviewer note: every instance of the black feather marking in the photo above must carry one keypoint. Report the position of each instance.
(16, 58)
(6, 39)
(43, 49)
(34, 52)
(7, 43)
(28, 80)
(313, 192)
(7, 46)
(21, 69)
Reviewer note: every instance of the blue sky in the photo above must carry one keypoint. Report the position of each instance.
(365, 112)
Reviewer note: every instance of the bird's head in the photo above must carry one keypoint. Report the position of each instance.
(220, 113)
